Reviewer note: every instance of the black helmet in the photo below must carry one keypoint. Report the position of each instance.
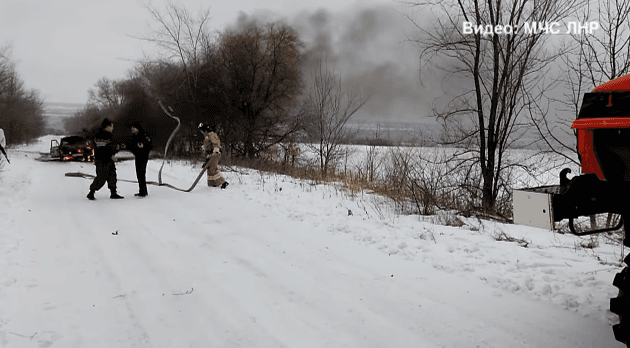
(204, 127)
(136, 125)
(106, 123)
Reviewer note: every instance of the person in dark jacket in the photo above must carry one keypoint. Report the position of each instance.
(140, 145)
(104, 151)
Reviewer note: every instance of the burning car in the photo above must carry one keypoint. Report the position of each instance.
(72, 148)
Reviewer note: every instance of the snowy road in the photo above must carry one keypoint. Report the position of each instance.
(237, 268)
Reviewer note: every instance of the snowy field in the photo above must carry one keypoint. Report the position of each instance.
(545, 169)
(275, 262)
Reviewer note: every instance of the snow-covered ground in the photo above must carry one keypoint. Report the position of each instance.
(276, 262)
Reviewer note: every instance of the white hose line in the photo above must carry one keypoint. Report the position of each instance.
(169, 139)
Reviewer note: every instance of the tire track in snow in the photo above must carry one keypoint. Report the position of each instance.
(105, 264)
(63, 243)
(231, 305)
(340, 303)
(301, 291)
(209, 308)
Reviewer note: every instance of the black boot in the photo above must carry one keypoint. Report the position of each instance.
(115, 195)
(90, 195)
(141, 194)
(224, 185)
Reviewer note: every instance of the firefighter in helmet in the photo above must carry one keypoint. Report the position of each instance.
(212, 148)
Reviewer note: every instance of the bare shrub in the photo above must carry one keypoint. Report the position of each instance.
(397, 175)
(372, 164)
(501, 236)
(430, 185)
(427, 234)
(591, 242)
(331, 105)
(446, 218)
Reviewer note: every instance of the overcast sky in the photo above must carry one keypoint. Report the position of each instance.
(63, 47)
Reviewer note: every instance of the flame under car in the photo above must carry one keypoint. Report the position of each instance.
(72, 148)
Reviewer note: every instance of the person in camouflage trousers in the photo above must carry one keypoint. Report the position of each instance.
(104, 152)
(212, 148)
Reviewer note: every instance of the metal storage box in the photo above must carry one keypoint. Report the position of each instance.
(532, 207)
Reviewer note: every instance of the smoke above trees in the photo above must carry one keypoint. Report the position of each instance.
(370, 51)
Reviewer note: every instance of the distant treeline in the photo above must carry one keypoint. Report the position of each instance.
(21, 110)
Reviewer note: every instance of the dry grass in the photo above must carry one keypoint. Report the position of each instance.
(398, 185)
(415, 181)
(399, 191)
(501, 236)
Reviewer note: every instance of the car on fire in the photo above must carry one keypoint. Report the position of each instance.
(72, 148)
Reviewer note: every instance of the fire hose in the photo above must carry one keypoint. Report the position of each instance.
(159, 182)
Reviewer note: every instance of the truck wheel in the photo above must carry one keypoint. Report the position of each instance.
(620, 305)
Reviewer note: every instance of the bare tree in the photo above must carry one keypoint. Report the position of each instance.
(260, 82)
(21, 110)
(498, 76)
(84, 121)
(606, 51)
(331, 105)
(596, 58)
(108, 94)
(7, 68)
(185, 41)
(183, 38)
(373, 158)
